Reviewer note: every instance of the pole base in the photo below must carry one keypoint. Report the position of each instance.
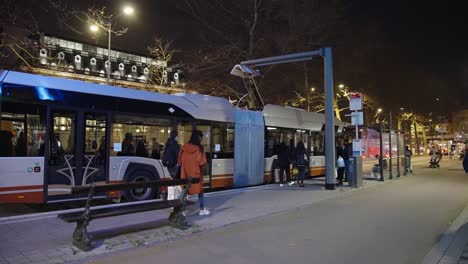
(329, 186)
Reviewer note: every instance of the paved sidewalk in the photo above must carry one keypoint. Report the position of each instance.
(452, 247)
(46, 239)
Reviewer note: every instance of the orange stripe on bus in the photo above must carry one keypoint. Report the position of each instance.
(28, 197)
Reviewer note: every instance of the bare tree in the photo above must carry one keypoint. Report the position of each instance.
(162, 53)
(315, 101)
(18, 32)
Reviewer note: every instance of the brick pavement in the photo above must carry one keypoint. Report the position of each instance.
(48, 239)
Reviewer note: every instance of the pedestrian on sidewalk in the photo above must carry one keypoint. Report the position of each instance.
(292, 152)
(408, 156)
(192, 159)
(340, 152)
(171, 154)
(302, 162)
(348, 152)
(284, 162)
(465, 160)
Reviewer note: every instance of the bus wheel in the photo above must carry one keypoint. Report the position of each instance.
(140, 194)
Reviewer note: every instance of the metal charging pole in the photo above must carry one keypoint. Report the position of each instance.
(381, 154)
(398, 152)
(390, 175)
(329, 120)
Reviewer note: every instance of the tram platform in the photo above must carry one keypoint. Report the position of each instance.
(43, 238)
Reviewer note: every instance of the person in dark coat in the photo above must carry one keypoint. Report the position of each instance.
(141, 149)
(171, 154)
(284, 162)
(21, 146)
(302, 162)
(340, 152)
(348, 152)
(127, 146)
(465, 160)
(6, 143)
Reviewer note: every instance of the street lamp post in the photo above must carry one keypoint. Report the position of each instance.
(127, 10)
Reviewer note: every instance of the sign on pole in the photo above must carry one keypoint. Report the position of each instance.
(355, 101)
(357, 118)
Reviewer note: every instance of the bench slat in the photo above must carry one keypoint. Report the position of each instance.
(132, 185)
(122, 210)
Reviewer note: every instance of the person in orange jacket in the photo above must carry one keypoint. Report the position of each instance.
(192, 159)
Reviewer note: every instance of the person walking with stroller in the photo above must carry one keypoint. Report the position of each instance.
(192, 159)
(408, 156)
(302, 162)
(284, 162)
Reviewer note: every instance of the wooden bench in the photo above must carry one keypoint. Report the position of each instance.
(81, 237)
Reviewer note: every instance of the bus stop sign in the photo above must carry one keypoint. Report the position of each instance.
(355, 101)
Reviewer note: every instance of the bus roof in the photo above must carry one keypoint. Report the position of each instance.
(199, 106)
(203, 107)
(288, 117)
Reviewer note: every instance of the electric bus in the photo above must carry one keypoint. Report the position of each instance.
(59, 133)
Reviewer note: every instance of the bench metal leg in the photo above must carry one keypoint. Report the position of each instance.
(178, 220)
(81, 237)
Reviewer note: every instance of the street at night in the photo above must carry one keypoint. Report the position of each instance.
(248, 131)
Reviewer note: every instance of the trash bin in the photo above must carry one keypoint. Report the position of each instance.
(355, 171)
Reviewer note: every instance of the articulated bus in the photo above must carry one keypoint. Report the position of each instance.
(59, 133)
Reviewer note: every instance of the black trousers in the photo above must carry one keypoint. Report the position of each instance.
(340, 174)
(282, 171)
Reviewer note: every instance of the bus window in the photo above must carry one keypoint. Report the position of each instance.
(301, 135)
(141, 136)
(22, 130)
(317, 143)
(185, 131)
(274, 137)
(223, 141)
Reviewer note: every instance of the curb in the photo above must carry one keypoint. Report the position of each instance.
(450, 246)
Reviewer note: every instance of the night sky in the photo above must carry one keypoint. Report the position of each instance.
(419, 49)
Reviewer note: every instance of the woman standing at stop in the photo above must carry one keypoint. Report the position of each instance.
(192, 160)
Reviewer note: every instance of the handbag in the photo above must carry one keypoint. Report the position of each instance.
(340, 162)
(174, 171)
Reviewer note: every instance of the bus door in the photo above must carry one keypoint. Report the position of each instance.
(76, 153)
(206, 142)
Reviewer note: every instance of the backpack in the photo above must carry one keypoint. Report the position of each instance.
(301, 159)
(169, 158)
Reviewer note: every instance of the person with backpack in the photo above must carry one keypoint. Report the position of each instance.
(284, 162)
(302, 162)
(171, 154)
(192, 159)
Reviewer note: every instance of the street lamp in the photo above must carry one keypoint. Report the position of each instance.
(127, 10)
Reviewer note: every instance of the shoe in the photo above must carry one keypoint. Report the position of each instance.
(204, 212)
(281, 185)
(301, 185)
(339, 184)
